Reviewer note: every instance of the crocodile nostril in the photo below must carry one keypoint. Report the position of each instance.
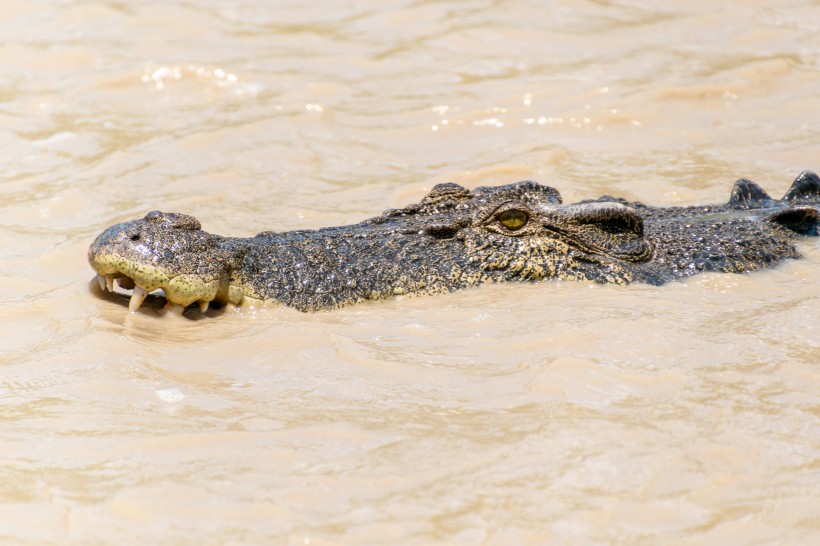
(135, 237)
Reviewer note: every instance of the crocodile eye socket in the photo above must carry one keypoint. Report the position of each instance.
(512, 219)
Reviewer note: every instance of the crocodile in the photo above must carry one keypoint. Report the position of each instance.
(454, 238)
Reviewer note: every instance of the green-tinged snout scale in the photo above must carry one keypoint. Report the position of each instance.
(455, 238)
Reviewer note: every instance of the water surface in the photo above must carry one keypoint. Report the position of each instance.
(554, 413)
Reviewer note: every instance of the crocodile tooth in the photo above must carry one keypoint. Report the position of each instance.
(137, 297)
(109, 282)
(203, 306)
(101, 280)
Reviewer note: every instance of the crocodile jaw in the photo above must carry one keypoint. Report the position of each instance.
(182, 289)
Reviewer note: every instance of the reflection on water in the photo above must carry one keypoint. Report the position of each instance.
(558, 413)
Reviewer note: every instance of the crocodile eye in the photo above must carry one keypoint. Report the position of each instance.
(512, 219)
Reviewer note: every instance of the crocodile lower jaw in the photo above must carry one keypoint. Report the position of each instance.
(179, 290)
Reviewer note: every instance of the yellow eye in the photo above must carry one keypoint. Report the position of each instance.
(512, 219)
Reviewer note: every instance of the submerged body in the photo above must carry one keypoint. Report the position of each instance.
(456, 238)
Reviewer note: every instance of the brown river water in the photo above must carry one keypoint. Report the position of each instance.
(551, 413)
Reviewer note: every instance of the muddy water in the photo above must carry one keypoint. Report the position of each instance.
(558, 413)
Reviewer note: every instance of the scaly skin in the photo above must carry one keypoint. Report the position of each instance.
(456, 238)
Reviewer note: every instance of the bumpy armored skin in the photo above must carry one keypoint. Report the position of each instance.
(456, 238)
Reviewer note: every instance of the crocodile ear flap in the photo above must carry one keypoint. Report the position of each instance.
(805, 186)
(746, 193)
(802, 220)
(613, 218)
(618, 230)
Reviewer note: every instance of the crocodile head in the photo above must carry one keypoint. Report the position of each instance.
(167, 251)
(453, 238)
